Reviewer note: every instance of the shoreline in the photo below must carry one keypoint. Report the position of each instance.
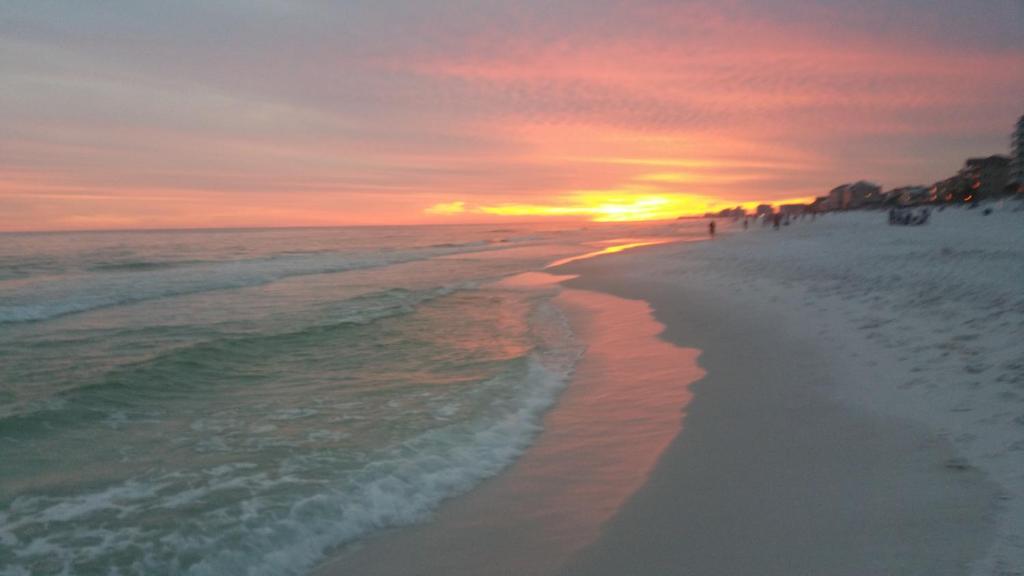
(800, 453)
(599, 443)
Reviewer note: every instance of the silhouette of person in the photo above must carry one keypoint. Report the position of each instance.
(711, 228)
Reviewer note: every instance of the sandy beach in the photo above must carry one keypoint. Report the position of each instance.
(843, 424)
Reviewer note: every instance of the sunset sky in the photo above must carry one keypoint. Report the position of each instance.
(198, 113)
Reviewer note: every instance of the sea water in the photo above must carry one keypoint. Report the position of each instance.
(244, 401)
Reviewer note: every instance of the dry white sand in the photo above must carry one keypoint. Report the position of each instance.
(771, 476)
(914, 331)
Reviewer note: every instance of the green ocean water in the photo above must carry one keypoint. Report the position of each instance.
(226, 402)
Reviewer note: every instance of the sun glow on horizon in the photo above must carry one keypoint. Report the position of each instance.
(612, 206)
(615, 206)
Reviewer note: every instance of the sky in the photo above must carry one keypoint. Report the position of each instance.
(205, 113)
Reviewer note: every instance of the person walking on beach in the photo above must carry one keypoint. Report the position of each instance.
(711, 228)
(776, 220)
(745, 224)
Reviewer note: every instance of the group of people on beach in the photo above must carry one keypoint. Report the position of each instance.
(908, 217)
(777, 220)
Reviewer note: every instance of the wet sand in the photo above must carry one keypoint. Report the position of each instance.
(599, 444)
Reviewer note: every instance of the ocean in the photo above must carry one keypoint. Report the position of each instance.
(245, 401)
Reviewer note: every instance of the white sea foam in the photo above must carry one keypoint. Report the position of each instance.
(400, 489)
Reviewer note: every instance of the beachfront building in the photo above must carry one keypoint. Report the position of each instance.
(763, 211)
(835, 198)
(986, 177)
(792, 209)
(952, 189)
(855, 195)
(912, 195)
(1017, 158)
(820, 204)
